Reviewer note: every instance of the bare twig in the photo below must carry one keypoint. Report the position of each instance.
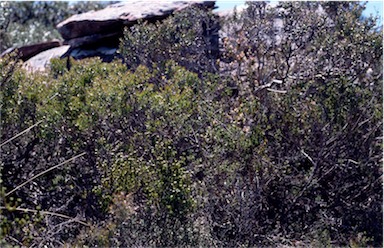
(277, 91)
(46, 213)
(309, 182)
(308, 157)
(44, 172)
(15, 240)
(21, 133)
(50, 234)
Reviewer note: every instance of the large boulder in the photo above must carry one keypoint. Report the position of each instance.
(97, 33)
(113, 18)
(41, 60)
(106, 39)
(26, 52)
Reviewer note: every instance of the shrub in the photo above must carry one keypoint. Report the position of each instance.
(282, 152)
(310, 76)
(189, 37)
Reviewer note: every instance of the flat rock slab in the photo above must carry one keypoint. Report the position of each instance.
(41, 61)
(114, 17)
(26, 52)
(101, 39)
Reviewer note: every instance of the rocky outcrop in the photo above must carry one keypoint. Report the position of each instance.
(26, 52)
(97, 33)
(113, 18)
(41, 61)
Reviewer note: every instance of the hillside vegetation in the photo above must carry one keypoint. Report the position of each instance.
(277, 143)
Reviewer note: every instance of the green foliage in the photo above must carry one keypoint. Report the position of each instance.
(188, 37)
(131, 97)
(282, 146)
(319, 85)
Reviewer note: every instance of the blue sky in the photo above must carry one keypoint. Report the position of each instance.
(373, 7)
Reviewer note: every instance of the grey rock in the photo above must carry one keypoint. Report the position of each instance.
(110, 39)
(26, 52)
(97, 33)
(114, 17)
(41, 61)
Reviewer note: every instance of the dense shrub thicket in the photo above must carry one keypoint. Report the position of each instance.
(189, 38)
(278, 143)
